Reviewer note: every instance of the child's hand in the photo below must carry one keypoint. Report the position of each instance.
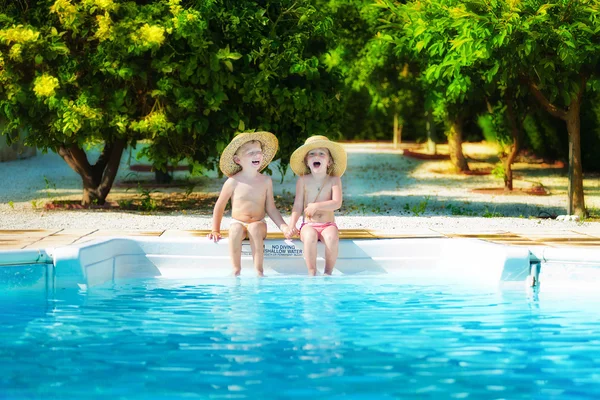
(294, 231)
(310, 210)
(290, 232)
(214, 235)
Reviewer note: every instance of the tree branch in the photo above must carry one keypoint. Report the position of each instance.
(112, 167)
(279, 18)
(77, 160)
(103, 159)
(551, 108)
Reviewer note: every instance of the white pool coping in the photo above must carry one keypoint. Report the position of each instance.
(102, 261)
(418, 260)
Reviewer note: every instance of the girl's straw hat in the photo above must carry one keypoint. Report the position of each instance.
(269, 144)
(338, 155)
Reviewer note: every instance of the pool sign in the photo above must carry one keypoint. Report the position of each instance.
(277, 250)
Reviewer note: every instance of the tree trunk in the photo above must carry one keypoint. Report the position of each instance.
(514, 148)
(162, 177)
(97, 179)
(572, 117)
(397, 131)
(430, 128)
(575, 189)
(91, 196)
(455, 146)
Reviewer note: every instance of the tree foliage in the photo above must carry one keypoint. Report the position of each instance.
(184, 77)
(559, 56)
(432, 34)
(503, 49)
(379, 85)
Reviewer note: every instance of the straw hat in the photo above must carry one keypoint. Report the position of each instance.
(269, 144)
(338, 155)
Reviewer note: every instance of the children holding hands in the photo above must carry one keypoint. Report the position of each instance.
(319, 164)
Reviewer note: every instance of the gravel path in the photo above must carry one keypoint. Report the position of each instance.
(382, 190)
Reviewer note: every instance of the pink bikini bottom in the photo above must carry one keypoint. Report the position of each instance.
(318, 226)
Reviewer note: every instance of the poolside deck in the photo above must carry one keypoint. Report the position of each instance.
(585, 236)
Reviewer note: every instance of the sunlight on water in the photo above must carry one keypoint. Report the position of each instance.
(296, 337)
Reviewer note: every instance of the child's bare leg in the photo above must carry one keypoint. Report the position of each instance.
(257, 231)
(309, 237)
(237, 233)
(331, 238)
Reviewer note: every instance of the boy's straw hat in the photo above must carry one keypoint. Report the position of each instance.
(269, 144)
(338, 155)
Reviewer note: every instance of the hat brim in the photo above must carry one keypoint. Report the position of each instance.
(269, 144)
(338, 154)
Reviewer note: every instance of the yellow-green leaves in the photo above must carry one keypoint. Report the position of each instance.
(18, 34)
(15, 52)
(104, 5)
(105, 27)
(457, 43)
(120, 122)
(149, 35)
(460, 12)
(67, 12)
(225, 55)
(544, 8)
(97, 67)
(153, 124)
(514, 4)
(175, 7)
(73, 116)
(420, 28)
(45, 85)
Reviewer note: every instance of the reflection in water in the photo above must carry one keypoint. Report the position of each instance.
(282, 337)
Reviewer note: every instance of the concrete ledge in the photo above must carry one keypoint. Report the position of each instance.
(100, 261)
(584, 237)
(421, 259)
(413, 260)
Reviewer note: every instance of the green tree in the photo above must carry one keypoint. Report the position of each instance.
(81, 73)
(551, 47)
(431, 31)
(377, 82)
(484, 50)
(284, 84)
(110, 72)
(559, 58)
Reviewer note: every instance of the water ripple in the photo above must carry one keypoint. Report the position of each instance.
(357, 337)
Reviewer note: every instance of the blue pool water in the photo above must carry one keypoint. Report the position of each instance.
(323, 338)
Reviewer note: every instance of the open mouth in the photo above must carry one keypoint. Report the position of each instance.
(316, 164)
(256, 163)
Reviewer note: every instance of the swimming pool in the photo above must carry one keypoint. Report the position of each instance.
(423, 319)
(360, 337)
